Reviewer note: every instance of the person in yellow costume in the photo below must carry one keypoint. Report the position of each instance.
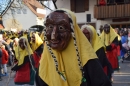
(24, 67)
(37, 47)
(68, 58)
(99, 48)
(110, 39)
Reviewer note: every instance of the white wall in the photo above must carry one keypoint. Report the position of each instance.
(81, 17)
(26, 20)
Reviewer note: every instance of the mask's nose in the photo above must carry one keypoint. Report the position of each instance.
(53, 34)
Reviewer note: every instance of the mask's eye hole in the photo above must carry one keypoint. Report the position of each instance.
(61, 28)
(50, 26)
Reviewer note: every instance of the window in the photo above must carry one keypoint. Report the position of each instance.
(24, 11)
(12, 11)
(79, 5)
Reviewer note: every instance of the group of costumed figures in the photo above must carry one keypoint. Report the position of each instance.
(25, 48)
(66, 55)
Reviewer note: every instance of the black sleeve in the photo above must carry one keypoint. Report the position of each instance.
(39, 81)
(115, 41)
(95, 75)
(39, 50)
(26, 59)
(102, 56)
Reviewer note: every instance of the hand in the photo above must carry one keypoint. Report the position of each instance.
(13, 69)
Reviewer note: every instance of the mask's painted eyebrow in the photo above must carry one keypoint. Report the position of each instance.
(48, 20)
(64, 22)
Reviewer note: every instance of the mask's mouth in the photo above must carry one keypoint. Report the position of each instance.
(54, 41)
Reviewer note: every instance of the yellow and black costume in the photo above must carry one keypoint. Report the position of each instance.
(79, 53)
(99, 49)
(110, 40)
(24, 68)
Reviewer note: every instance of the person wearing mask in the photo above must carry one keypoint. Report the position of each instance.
(99, 48)
(110, 39)
(25, 71)
(68, 58)
(37, 47)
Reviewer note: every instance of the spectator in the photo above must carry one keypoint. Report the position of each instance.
(5, 57)
(0, 64)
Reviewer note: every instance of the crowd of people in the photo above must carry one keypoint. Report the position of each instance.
(63, 54)
(22, 52)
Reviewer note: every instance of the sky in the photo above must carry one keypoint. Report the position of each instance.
(3, 4)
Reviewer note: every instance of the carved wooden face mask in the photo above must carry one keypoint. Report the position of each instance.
(106, 29)
(21, 44)
(58, 30)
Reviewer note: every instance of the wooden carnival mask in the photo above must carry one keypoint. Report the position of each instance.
(58, 30)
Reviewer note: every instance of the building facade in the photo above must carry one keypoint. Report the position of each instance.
(96, 20)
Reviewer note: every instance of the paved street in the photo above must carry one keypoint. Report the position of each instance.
(121, 78)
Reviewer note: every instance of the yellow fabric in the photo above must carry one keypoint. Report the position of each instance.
(107, 39)
(20, 54)
(16, 35)
(11, 36)
(119, 38)
(95, 40)
(67, 60)
(42, 36)
(37, 32)
(31, 34)
(37, 43)
(25, 34)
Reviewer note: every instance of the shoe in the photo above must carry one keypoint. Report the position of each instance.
(122, 60)
(6, 74)
(2, 75)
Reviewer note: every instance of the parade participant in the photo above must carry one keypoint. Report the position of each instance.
(24, 68)
(68, 58)
(110, 39)
(91, 34)
(37, 47)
